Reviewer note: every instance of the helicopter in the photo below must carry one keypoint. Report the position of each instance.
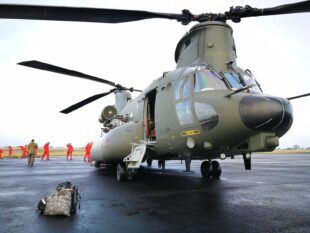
(192, 112)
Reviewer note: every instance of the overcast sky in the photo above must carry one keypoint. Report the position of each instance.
(275, 48)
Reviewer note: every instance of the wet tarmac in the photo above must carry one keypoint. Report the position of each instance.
(273, 197)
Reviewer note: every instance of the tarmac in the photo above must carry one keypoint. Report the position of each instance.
(273, 197)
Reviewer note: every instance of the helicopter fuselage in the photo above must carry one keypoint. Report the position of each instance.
(205, 108)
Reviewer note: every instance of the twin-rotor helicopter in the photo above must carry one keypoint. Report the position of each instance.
(208, 108)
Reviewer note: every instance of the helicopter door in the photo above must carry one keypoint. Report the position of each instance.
(149, 116)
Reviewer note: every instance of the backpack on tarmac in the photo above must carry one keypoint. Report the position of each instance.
(64, 201)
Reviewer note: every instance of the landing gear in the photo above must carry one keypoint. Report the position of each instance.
(187, 163)
(123, 173)
(212, 169)
(247, 161)
(162, 164)
(149, 162)
(216, 169)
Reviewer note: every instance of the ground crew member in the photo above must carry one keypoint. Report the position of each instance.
(31, 148)
(36, 153)
(46, 151)
(85, 154)
(24, 151)
(69, 150)
(1, 151)
(87, 151)
(10, 151)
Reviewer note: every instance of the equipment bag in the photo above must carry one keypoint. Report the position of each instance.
(64, 201)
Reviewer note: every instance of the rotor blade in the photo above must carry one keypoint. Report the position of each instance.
(84, 102)
(60, 70)
(79, 14)
(236, 13)
(298, 96)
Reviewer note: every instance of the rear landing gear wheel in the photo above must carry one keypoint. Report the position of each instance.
(121, 173)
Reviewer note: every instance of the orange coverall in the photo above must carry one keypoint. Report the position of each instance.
(69, 150)
(10, 151)
(24, 150)
(87, 151)
(46, 151)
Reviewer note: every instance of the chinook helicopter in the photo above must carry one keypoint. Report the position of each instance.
(190, 113)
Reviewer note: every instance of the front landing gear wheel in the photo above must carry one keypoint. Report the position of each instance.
(205, 169)
(209, 170)
(216, 169)
(121, 173)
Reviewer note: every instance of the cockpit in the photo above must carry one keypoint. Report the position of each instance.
(205, 79)
(243, 79)
(197, 80)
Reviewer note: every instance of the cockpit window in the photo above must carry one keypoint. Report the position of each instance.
(206, 80)
(249, 80)
(233, 80)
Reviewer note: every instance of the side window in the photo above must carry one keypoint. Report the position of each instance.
(178, 90)
(182, 89)
(186, 88)
(184, 113)
(183, 106)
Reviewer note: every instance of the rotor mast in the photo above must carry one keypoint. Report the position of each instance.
(207, 43)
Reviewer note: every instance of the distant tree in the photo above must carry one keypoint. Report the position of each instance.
(296, 147)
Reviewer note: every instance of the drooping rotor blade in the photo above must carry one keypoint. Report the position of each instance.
(86, 101)
(60, 70)
(81, 14)
(236, 13)
(298, 96)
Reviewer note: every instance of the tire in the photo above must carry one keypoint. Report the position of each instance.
(205, 169)
(121, 174)
(216, 169)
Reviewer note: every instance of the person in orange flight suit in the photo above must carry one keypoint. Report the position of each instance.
(46, 151)
(69, 150)
(10, 151)
(1, 151)
(87, 151)
(24, 151)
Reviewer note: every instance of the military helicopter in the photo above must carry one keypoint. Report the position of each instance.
(190, 113)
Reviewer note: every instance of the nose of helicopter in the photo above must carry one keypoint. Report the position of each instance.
(266, 113)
